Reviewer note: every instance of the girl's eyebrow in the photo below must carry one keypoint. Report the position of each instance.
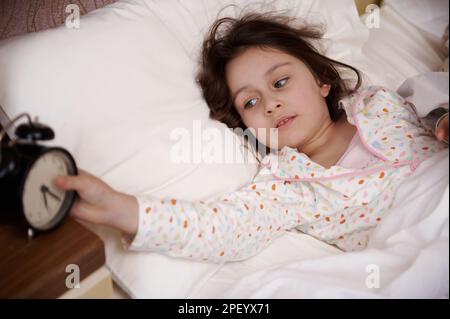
(270, 70)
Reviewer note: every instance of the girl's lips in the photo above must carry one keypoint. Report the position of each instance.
(286, 123)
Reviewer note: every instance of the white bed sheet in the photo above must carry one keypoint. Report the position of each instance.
(292, 246)
(299, 266)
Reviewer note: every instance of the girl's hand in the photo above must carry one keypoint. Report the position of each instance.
(442, 129)
(99, 203)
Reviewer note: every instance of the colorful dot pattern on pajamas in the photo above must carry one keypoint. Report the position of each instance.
(338, 205)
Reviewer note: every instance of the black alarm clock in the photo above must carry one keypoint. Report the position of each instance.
(27, 174)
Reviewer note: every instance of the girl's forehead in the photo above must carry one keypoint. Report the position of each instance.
(264, 53)
(257, 59)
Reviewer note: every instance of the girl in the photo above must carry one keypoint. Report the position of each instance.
(342, 151)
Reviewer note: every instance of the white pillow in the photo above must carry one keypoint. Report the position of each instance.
(431, 17)
(390, 65)
(115, 89)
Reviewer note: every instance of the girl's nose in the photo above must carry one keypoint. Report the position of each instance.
(269, 108)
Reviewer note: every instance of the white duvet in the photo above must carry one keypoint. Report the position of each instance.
(407, 256)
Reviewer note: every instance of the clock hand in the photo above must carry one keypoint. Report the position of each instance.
(47, 190)
(43, 189)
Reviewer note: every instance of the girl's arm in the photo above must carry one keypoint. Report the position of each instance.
(235, 226)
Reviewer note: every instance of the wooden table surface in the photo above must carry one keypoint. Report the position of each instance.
(36, 268)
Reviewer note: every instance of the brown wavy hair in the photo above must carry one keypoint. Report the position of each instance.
(228, 37)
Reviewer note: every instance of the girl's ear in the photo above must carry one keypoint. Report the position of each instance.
(325, 89)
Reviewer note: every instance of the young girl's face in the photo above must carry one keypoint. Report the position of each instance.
(268, 86)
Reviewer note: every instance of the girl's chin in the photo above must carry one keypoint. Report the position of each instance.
(288, 144)
(281, 144)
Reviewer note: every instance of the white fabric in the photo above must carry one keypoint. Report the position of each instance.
(430, 16)
(396, 51)
(409, 251)
(426, 91)
(115, 88)
(291, 247)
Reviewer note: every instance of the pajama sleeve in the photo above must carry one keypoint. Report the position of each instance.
(232, 227)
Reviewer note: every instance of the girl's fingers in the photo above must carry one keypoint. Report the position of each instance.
(86, 212)
(73, 182)
(69, 182)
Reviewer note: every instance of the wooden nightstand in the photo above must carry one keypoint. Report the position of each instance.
(36, 268)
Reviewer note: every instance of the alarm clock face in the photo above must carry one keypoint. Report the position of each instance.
(45, 205)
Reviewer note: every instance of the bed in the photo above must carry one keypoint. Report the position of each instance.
(408, 254)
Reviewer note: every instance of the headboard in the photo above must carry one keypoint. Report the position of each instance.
(23, 16)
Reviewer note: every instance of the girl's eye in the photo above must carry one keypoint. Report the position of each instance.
(250, 103)
(280, 83)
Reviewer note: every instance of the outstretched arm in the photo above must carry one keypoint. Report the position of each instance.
(234, 226)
